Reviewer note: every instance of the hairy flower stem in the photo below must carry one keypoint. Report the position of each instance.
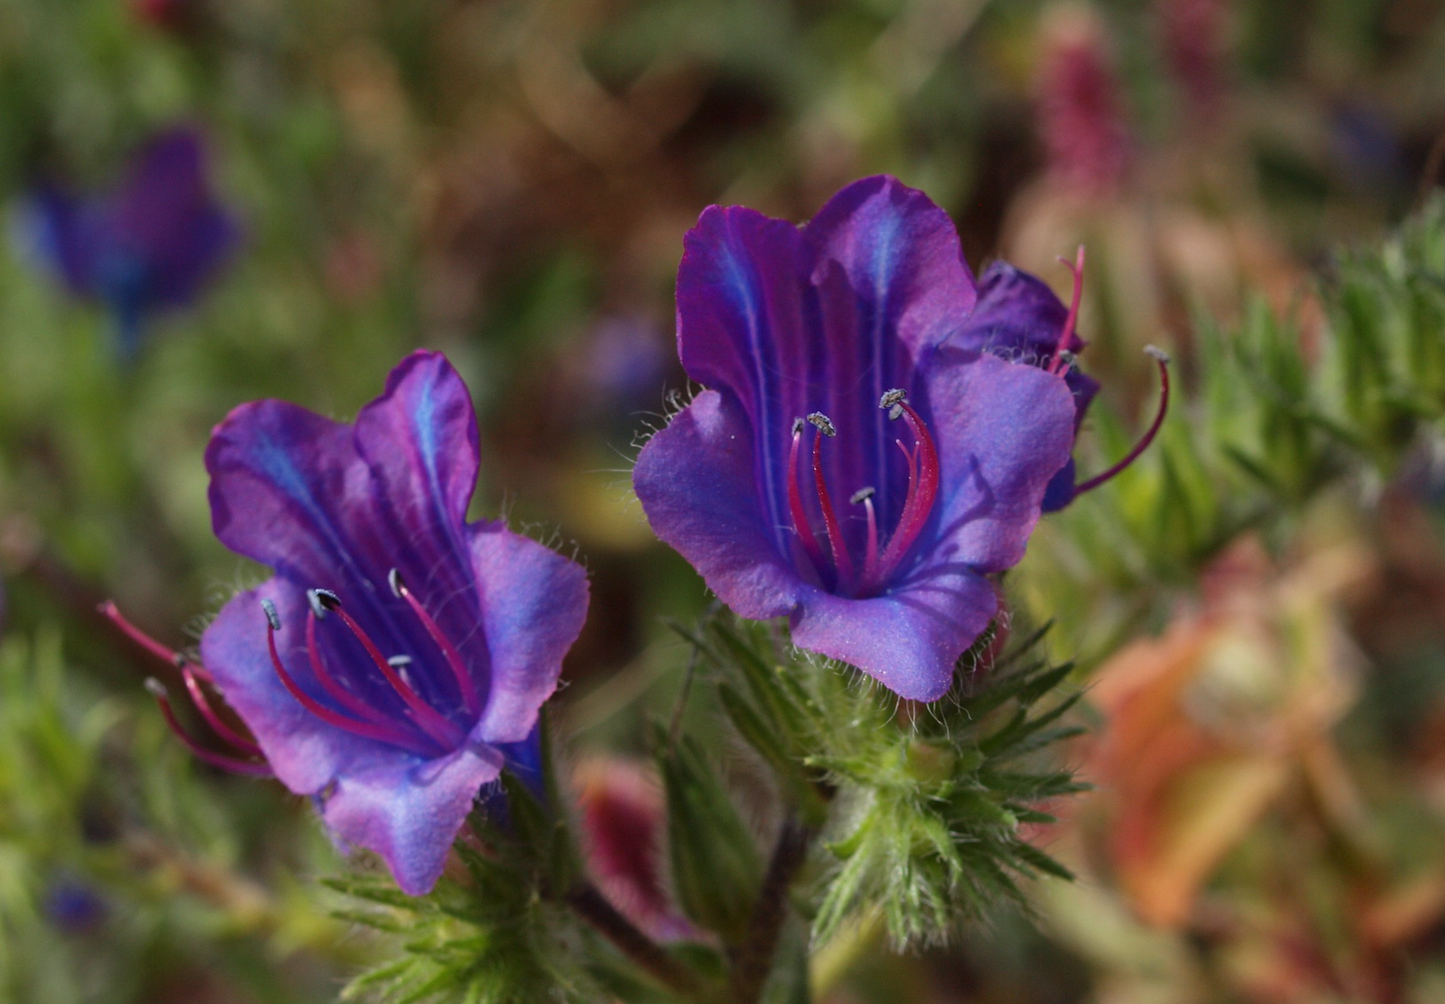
(593, 907)
(753, 959)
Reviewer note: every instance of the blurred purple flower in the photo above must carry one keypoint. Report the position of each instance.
(869, 313)
(149, 245)
(74, 906)
(400, 654)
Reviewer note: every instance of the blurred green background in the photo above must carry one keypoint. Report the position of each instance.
(509, 182)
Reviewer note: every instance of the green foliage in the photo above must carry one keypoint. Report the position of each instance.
(491, 933)
(715, 863)
(926, 804)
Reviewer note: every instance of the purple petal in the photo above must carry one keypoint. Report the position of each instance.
(909, 639)
(285, 486)
(1003, 431)
(903, 260)
(1017, 317)
(696, 484)
(534, 605)
(741, 329)
(410, 812)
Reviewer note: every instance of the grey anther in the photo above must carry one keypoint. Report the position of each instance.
(393, 579)
(1156, 352)
(156, 688)
(321, 601)
(823, 424)
(398, 661)
(272, 617)
(895, 412)
(180, 661)
(893, 397)
(797, 426)
(862, 495)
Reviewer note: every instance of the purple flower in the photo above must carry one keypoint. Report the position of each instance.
(400, 654)
(149, 245)
(923, 460)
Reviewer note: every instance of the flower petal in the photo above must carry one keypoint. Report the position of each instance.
(534, 602)
(903, 259)
(410, 812)
(741, 329)
(67, 237)
(1003, 431)
(908, 639)
(697, 485)
(285, 486)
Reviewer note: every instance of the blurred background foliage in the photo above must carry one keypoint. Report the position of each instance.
(1257, 605)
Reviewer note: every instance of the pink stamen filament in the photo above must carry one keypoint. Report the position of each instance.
(1143, 444)
(214, 720)
(352, 702)
(366, 730)
(428, 718)
(841, 559)
(804, 529)
(454, 658)
(923, 482)
(1061, 349)
(112, 613)
(235, 764)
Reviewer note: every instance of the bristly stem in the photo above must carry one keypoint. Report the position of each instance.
(753, 959)
(593, 907)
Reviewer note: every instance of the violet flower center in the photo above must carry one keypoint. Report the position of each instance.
(836, 568)
(404, 717)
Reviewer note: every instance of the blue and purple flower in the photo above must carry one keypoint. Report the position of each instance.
(150, 245)
(877, 434)
(400, 654)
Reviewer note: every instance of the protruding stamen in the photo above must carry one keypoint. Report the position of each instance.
(465, 684)
(1077, 268)
(273, 619)
(890, 398)
(399, 661)
(1162, 358)
(841, 560)
(428, 718)
(801, 525)
(112, 613)
(214, 720)
(234, 764)
(923, 484)
(367, 730)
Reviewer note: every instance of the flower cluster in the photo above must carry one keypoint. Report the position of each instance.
(880, 434)
(149, 245)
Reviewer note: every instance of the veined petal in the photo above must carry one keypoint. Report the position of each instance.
(907, 639)
(741, 329)
(410, 811)
(286, 484)
(534, 602)
(696, 483)
(903, 259)
(1003, 431)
